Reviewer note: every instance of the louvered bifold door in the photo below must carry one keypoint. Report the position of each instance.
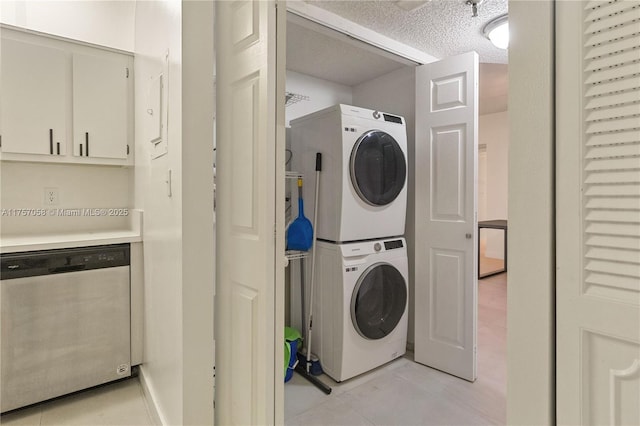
(598, 212)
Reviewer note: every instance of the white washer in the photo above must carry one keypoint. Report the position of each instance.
(363, 189)
(360, 305)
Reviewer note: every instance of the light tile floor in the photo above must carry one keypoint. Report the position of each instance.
(399, 393)
(121, 403)
(406, 393)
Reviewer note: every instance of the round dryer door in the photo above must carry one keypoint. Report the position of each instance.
(378, 168)
(378, 301)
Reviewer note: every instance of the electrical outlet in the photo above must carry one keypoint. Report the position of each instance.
(51, 196)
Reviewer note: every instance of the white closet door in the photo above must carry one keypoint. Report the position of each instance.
(250, 215)
(598, 212)
(446, 220)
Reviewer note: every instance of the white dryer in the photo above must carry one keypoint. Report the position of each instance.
(363, 189)
(360, 305)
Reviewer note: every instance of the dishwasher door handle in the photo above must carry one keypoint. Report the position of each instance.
(71, 268)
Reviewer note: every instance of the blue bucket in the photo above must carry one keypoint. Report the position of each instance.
(293, 360)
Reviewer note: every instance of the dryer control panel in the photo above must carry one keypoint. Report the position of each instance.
(393, 244)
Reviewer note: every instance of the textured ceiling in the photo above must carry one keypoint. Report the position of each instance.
(326, 54)
(439, 27)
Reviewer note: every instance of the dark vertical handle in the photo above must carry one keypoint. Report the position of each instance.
(50, 141)
(86, 140)
(58, 148)
(81, 150)
(318, 161)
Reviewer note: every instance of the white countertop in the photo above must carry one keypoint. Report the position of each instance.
(13, 244)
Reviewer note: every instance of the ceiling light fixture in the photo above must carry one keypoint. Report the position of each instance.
(497, 30)
(474, 6)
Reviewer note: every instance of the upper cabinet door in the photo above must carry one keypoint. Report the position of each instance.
(34, 88)
(100, 106)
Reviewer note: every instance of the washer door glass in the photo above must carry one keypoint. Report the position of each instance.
(378, 168)
(378, 301)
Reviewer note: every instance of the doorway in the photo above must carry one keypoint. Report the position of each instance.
(312, 90)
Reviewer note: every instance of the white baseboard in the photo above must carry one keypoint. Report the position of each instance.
(149, 399)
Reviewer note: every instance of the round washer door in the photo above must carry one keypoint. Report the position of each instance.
(378, 168)
(379, 300)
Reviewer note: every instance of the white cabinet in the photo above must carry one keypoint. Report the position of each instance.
(64, 101)
(34, 98)
(100, 106)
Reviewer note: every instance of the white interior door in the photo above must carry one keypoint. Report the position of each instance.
(446, 220)
(250, 215)
(598, 213)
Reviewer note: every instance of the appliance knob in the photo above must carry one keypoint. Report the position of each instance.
(376, 114)
(377, 247)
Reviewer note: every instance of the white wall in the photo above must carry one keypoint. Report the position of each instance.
(107, 23)
(79, 186)
(395, 93)
(178, 229)
(493, 131)
(198, 234)
(530, 299)
(158, 29)
(321, 93)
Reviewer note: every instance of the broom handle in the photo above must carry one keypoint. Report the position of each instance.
(313, 259)
(303, 299)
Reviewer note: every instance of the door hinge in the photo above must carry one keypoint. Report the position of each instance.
(127, 68)
(127, 149)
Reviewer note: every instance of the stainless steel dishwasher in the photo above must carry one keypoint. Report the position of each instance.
(65, 321)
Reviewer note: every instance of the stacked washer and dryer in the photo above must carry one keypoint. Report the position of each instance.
(361, 280)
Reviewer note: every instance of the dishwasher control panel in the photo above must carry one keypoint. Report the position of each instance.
(46, 262)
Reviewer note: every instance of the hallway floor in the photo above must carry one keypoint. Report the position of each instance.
(406, 393)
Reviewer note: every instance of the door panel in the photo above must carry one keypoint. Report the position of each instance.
(598, 213)
(448, 162)
(250, 216)
(446, 220)
(447, 317)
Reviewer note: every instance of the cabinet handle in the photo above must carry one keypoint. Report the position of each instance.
(86, 139)
(58, 148)
(50, 141)
(81, 150)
